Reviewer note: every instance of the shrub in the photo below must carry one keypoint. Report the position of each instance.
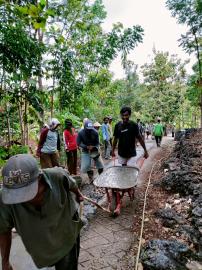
(18, 149)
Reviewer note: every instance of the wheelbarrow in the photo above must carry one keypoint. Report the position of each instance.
(117, 181)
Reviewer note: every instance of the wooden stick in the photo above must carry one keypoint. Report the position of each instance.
(96, 204)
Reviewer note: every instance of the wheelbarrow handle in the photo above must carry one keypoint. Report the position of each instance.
(96, 204)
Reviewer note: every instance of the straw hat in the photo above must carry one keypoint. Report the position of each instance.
(96, 124)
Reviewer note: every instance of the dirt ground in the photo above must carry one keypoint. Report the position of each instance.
(112, 243)
(157, 198)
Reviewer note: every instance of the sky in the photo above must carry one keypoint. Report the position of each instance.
(160, 30)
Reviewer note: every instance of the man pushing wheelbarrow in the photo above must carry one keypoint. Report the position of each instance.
(126, 133)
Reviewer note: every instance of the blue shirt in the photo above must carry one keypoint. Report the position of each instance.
(105, 132)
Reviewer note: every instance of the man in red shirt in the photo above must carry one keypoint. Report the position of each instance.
(69, 137)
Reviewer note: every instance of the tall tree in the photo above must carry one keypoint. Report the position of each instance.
(164, 84)
(80, 46)
(189, 12)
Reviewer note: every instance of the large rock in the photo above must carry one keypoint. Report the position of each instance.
(165, 255)
(189, 233)
(169, 217)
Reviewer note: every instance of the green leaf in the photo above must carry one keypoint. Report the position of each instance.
(33, 11)
(50, 12)
(38, 25)
(43, 3)
(23, 10)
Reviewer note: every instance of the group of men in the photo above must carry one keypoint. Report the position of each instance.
(42, 204)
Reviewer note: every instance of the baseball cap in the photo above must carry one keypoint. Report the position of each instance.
(88, 124)
(20, 179)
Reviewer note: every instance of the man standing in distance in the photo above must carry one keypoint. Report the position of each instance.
(106, 138)
(158, 132)
(125, 133)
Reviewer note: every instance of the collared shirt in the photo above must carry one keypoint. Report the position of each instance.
(49, 233)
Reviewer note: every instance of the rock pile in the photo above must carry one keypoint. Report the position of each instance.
(186, 179)
(183, 211)
(165, 255)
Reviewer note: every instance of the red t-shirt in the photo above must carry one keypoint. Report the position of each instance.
(70, 139)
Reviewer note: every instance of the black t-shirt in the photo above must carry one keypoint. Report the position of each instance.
(126, 133)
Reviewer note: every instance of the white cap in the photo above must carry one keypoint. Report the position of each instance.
(54, 122)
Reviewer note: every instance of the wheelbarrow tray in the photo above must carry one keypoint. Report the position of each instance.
(120, 177)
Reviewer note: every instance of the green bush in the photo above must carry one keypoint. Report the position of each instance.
(13, 150)
(3, 155)
(3, 152)
(18, 149)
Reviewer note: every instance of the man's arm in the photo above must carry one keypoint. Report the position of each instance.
(115, 140)
(141, 140)
(65, 142)
(58, 142)
(5, 247)
(97, 142)
(71, 185)
(42, 140)
(80, 142)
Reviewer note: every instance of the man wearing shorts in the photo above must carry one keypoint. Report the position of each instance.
(126, 133)
(88, 142)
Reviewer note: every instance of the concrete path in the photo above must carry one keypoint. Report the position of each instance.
(103, 246)
(107, 240)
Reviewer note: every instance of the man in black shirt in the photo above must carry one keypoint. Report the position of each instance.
(125, 133)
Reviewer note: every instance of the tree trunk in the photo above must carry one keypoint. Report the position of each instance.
(200, 89)
(8, 124)
(21, 121)
(201, 112)
(52, 97)
(40, 83)
(26, 125)
(52, 102)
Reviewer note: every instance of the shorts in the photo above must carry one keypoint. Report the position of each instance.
(122, 160)
(86, 162)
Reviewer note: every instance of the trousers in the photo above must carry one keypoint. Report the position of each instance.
(70, 261)
(49, 160)
(72, 161)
